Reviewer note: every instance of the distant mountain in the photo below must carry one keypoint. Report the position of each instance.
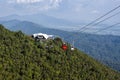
(30, 27)
(61, 24)
(10, 23)
(105, 48)
(41, 19)
(23, 58)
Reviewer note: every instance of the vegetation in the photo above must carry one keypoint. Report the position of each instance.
(22, 58)
(104, 48)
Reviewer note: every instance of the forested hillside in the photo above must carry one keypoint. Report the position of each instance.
(105, 48)
(22, 58)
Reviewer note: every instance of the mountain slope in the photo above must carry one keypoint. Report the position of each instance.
(105, 48)
(21, 58)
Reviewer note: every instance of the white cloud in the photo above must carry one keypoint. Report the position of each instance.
(37, 4)
(24, 1)
(52, 2)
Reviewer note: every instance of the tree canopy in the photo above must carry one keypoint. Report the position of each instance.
(23, 58)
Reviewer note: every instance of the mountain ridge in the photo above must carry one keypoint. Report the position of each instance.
(23, 58)
(40, 19)
(104, 48)
(61, 24)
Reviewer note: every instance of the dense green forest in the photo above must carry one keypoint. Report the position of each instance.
(104, 48)
(23, 58)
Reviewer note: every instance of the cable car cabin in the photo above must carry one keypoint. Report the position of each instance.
(72, 48)
(64, 47)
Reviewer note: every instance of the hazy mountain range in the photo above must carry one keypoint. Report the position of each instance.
(61, 24)
(41, 19)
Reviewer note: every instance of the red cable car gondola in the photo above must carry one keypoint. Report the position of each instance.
(64, 47)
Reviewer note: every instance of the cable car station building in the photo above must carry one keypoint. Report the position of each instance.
(41, 36)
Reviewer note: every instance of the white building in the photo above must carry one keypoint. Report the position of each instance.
(42, 36)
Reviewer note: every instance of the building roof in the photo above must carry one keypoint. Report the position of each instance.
(45, 35)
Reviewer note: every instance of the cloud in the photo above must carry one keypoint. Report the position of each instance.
(36, 4)
(24, 1)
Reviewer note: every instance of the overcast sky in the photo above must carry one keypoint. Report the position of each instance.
(82, 10)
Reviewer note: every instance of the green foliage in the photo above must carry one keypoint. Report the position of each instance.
(104, 48)
(21, 58)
